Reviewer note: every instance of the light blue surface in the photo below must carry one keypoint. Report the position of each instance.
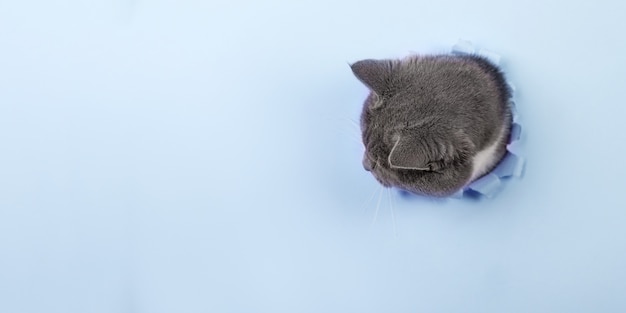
(199, 156)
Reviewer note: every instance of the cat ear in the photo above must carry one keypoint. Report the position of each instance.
(408, 154)
(374, 74)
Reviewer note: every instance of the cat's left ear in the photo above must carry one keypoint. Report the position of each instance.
(408, 154)
(375, 74)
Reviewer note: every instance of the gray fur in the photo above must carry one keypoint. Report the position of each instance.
(426, 117)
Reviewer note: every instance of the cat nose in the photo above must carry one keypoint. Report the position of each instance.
(367, 164)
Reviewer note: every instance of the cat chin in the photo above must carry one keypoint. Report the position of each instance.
(392, 181)
(383, 182)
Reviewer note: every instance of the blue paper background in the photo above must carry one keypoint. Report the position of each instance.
(199, 156)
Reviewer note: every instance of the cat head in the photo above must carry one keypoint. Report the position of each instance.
(405, 143)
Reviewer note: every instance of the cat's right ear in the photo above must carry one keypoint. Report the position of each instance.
(375, 74)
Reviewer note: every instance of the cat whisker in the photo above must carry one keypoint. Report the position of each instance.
(352, 123)
(380, 196)
(393, 216)
(366, 202)
(353, 132)
(355, 124)
(356, 139)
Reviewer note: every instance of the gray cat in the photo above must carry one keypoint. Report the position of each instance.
(433, 124)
